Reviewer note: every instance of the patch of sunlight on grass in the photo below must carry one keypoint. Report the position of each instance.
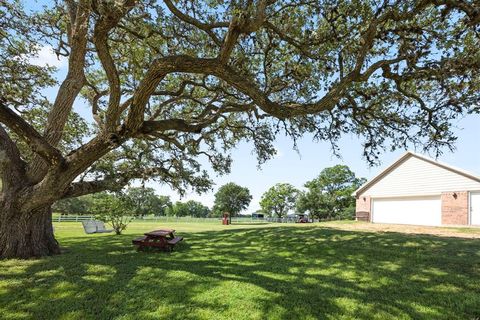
(99, 273)
(412, 244)
(13, 267)
(420, 277)
(50, 273)
(347, 303)
(443, 287)
(435, 271)
(426, 312)
(384, 281)
(10, 284)
(14, 315)
(389, 266)
(276, 276)
(62, 290)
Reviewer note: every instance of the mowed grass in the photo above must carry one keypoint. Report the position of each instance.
(247, 272)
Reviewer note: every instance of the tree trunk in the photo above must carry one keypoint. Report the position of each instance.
(26, 234)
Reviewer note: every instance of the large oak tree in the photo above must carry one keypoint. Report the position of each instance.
(170, 82)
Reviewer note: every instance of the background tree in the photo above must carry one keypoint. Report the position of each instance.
(330, 194)
(171, 83)
(165, 204)
(115, 209)
(146, 202)
(231, 198)
(279, 199)
(190, 208)
(79, 205)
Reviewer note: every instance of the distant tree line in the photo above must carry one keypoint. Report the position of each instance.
(328, 196)
(143, 201)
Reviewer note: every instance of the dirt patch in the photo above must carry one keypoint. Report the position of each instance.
(460, 232)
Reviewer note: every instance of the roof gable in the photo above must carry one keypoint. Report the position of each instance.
(410, 156)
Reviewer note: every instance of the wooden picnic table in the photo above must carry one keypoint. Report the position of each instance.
(163, 239)
(161, 233)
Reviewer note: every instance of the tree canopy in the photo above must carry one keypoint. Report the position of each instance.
(169, 83)
(279, 199)
(190, 208)
(79, 205)
(330, 194)
(146, 201)
(232, 199)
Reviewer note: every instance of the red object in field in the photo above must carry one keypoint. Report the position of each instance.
(225, 219)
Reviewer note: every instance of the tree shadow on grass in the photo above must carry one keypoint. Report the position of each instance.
(271, 273)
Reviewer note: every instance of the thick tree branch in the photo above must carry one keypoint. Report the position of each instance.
(110, 183)
(71, 86)
(26, 132)
(75, 78)
(149, 127)
(206, 27)
(78, 189)
(110, 19)
(241, 24)
(472, 10)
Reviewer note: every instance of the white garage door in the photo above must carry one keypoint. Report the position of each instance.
(475, 209)
(425, 211)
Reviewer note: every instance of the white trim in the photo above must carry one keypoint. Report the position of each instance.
(400, 196)
(470, 208)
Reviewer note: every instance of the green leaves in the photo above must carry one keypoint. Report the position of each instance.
(330, 194)
(231, 198)
(279, 199)
(146, 202)
(190, 208)
(116, 209)
(393, 75)
(21, 81)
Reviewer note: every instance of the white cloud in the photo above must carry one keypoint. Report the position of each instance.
(47, 57)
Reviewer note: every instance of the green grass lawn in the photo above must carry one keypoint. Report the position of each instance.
(247, 272)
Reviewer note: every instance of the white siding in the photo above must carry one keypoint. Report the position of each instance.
(416, 177)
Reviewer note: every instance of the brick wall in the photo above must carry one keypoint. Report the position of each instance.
(363, 205)
(455, 208)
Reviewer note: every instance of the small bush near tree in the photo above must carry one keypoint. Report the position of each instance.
(115, 209)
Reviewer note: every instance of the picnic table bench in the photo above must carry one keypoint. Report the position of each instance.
(163, 239)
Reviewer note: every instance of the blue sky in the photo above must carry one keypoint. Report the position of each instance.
(292, 167)
(298, 167)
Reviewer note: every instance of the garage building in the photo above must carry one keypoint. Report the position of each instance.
(418, 190)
